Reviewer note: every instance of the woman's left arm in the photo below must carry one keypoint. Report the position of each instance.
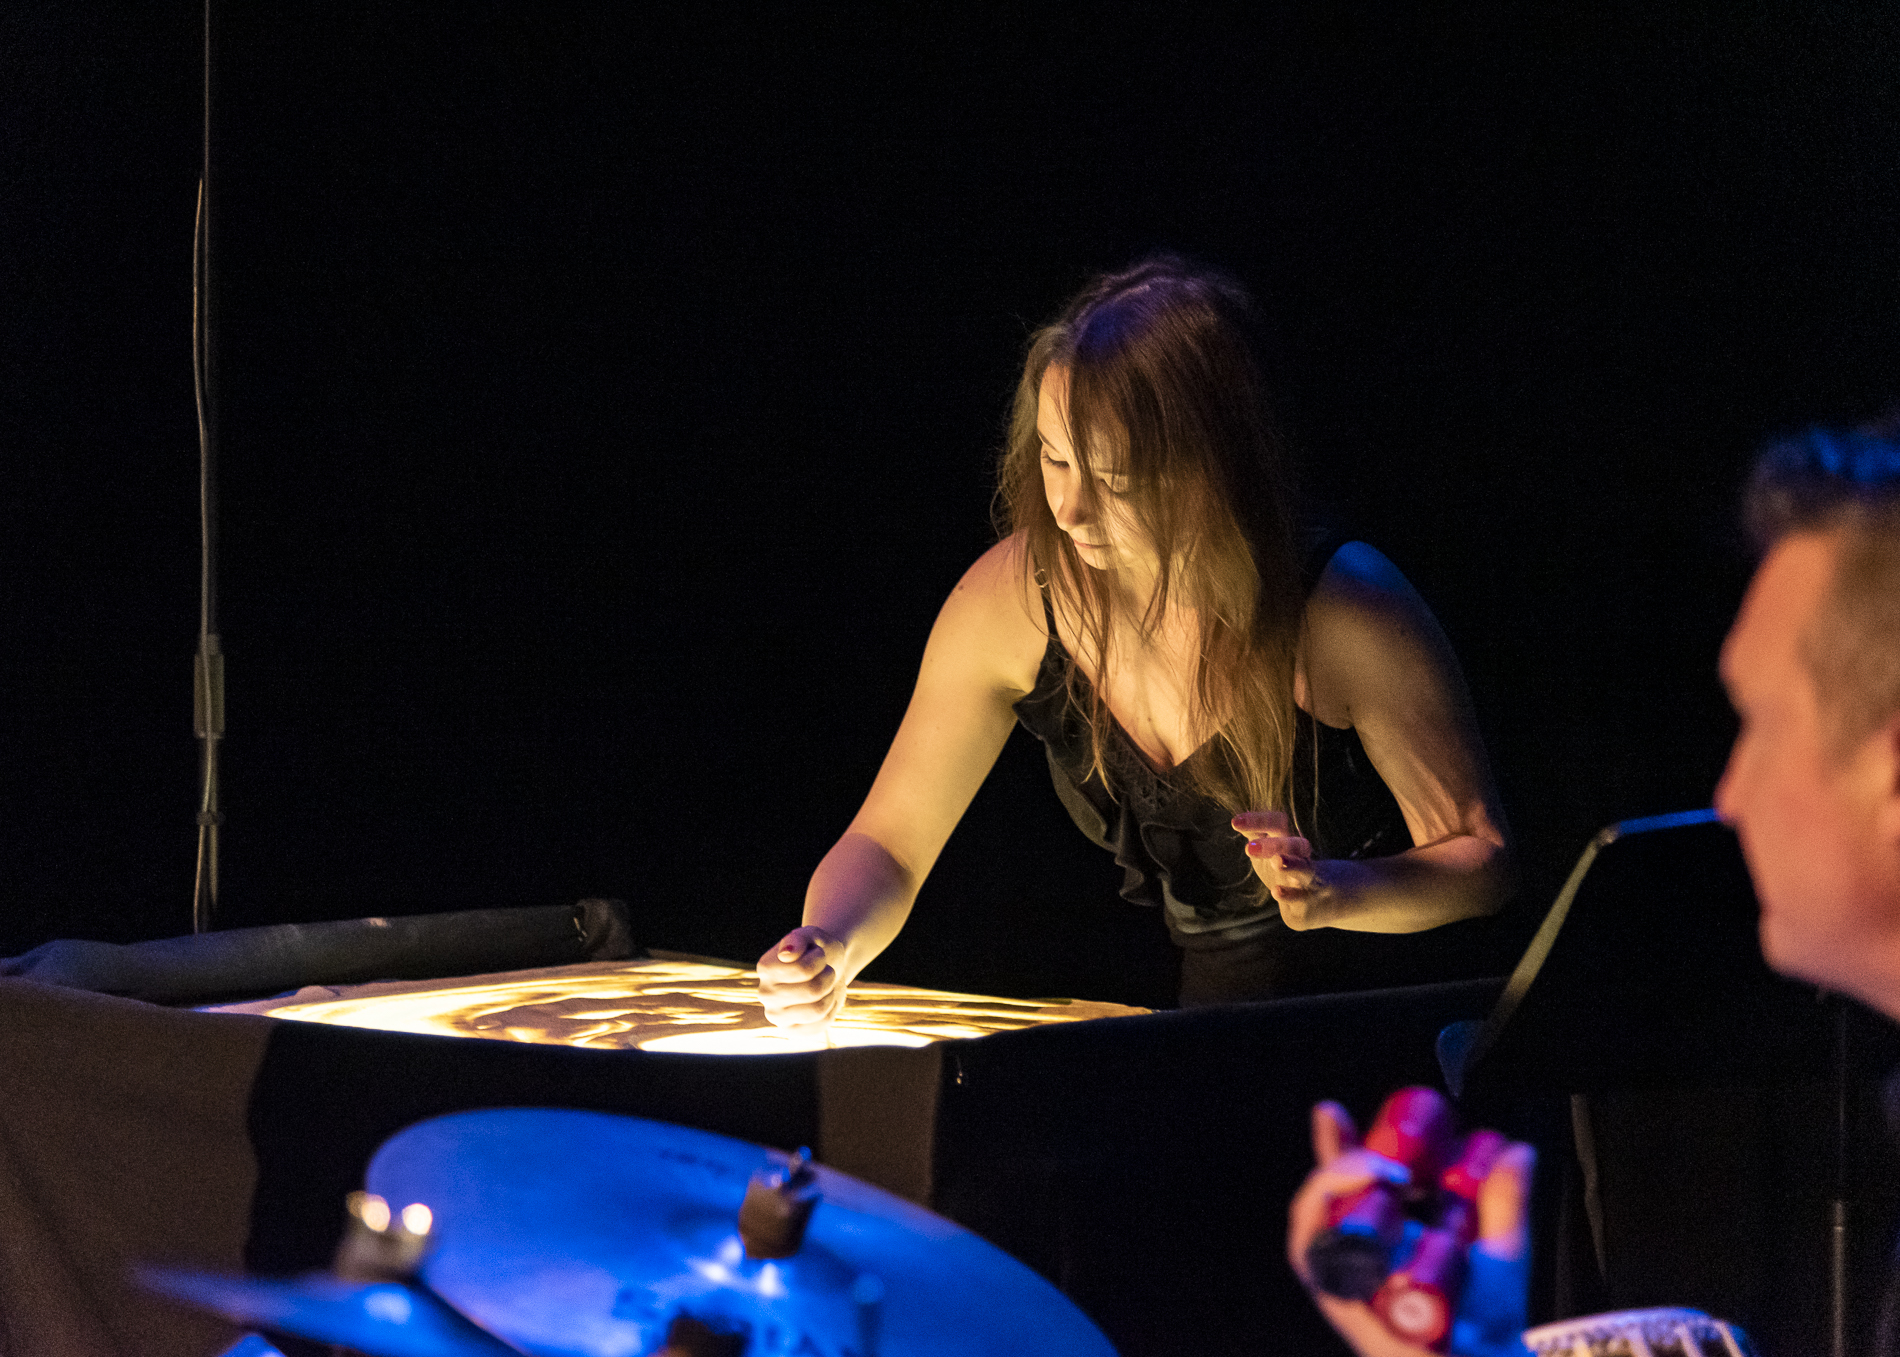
(1375, 659)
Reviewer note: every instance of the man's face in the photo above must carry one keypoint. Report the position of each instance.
(1809, 814)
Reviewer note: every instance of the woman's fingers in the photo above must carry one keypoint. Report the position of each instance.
(802, 1014)
(795, 1003)
(797, 945)
(798, 984)
(1288, 854)
(1280, 858)
(1271, 840)
(800, 955)
(1286, 868)
(1255, 822)
(1284, 864)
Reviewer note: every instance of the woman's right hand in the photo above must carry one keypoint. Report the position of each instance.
(983, 654)
(801, 977)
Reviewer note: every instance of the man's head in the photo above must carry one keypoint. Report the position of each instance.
(1812, 665)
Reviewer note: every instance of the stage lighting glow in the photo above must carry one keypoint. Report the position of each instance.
(668, 1003)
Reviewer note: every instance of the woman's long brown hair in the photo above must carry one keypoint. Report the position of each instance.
(1164, 388)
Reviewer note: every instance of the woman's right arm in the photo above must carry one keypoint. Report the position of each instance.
(982, 655)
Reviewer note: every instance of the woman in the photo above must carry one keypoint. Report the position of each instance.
(1272, 736)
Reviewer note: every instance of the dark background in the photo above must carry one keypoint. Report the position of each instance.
(609, 400)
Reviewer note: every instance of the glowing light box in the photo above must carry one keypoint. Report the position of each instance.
(668, 1003)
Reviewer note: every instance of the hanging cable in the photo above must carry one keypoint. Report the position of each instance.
(208, 663)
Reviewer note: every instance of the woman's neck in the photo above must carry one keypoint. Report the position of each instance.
(1131, 592)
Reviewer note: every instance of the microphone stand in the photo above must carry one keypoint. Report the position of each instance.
(1838, 1206)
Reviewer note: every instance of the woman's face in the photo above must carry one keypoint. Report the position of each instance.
(1106, 537)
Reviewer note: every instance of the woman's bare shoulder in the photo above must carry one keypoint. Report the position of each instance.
(1381, 664)
(1366, 626)
(996, 609)
(1361, 590)
(1003, 574)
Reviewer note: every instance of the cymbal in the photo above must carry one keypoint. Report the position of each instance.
(389, 1319)
(584, 1234)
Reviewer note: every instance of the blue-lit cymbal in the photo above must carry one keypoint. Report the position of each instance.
(383, 1319)
(582, 1234)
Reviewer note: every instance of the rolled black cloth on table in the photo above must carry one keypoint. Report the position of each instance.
(260, 961)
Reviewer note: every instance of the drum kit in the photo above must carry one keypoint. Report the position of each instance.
(560, 1233)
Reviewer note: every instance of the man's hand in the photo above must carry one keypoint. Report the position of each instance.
(1491, 1311)
(800, 978)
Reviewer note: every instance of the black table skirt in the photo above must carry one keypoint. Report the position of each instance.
(1143, 1163)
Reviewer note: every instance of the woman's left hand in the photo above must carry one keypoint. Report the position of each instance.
(1285, 862)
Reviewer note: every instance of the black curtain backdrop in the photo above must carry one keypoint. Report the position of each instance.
(609, 400)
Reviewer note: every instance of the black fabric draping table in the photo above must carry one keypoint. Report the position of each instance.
(1142, 1163)
(123, 1136)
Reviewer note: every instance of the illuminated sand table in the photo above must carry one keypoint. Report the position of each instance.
(670, 1003)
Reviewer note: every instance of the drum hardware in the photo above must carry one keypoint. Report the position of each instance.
(381, 1246)
(251, 1345)
(777, 1208)
(371, 1300)
(380, 1318)
(591, 1235)
(1640, 1333)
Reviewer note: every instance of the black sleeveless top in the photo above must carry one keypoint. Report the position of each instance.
(1176, 848)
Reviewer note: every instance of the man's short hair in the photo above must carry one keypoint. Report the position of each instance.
(1847, 481)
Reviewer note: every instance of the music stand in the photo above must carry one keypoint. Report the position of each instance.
(1647, 972)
